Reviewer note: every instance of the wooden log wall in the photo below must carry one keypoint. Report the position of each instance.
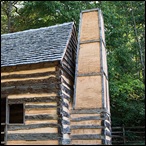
(90, 118)
(37, 87)
(67, 71)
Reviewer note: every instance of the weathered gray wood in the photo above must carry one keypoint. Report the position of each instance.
(62, 95)
(88, 111)
(29, 89)
(65, 141)
(106, 124)
(69, 62)
(41, 117)
(87, 118)
(66, 130)
(35, 99)
(33, 136)
(65, 122)
(50, 81)
(68, 68)
(65, 104)
(40, 106)
(69, 86)
(31, 126)
(29, 75)
(108, 133)
(87, 127)
(87, 136)
(68, 91)
(64, 68)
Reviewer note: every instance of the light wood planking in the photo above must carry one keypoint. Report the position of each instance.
(41, 111)
(85, 131)
(37, 142)
(27, 79)
(83, 115)
(66, 79)
(88, 122)
(29, 71)
(27, 122)
(43, 103)
(37, 130)
(86, 142)
(30, 95)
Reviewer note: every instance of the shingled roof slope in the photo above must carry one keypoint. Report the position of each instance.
(35, 45)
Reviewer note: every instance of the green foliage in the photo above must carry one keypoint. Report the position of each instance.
(125, 43)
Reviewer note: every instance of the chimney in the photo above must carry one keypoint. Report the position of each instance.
(90, 117)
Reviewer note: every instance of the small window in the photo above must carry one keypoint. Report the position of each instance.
(16, 113)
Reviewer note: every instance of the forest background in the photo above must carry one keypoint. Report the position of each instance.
(125, 43)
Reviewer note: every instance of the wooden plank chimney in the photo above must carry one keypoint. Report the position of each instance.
(90, 118)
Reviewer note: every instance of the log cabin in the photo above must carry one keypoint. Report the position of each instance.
(54, 87)
(37, 78)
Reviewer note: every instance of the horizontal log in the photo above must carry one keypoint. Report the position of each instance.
(34, 75)
(88, 111)
(87, 136)
(40, 106)
(31, 126)
(28, 122)
(41, 117)
(35, 136)
(36, 88)
(35, 99)
(36, 130)
(87, 127)
(50, 80)
(41, 111)
(26, 67)
(35, 142)
(33, 90)
(86, 118)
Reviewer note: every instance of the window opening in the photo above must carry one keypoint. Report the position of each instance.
(16, 113)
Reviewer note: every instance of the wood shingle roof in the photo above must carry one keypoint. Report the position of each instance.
(35, 45)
